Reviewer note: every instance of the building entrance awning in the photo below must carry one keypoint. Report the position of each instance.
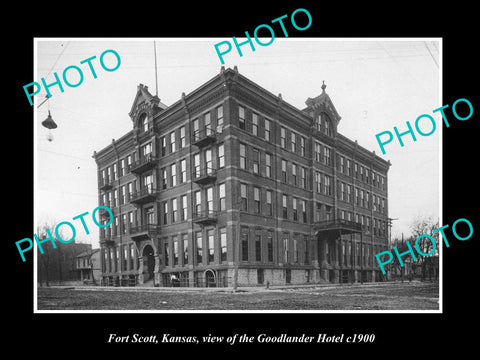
(337, 226)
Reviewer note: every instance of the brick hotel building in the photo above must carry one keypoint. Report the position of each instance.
(231, 184)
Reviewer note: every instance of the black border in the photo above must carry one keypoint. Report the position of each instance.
(428, 333)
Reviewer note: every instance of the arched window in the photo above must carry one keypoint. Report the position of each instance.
(143, 122)
(327, 125)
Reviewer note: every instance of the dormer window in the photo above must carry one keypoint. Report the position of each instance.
(143, 122)
(327, 128)
(324, 124)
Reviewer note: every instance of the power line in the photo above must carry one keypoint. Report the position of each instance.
(58, 58)
(435, 61)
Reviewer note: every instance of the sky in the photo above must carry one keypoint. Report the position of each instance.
(375, 84)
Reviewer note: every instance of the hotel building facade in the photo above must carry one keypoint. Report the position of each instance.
(232, 185)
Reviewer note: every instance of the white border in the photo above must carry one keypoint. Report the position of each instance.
(35, 156)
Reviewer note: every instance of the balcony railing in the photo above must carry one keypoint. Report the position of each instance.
(107, 240)
(204, 137)
(105, 184)
(205, 217)
(338, 224)
(143, 164)
(144, 230)
(205, 175)
(147, 194)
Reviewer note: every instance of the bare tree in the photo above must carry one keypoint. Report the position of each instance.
(424, 225)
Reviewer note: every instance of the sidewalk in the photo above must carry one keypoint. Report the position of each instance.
(243, 289)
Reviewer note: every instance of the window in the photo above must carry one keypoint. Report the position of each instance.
(163, 144)
(243, 196)
(269, 202)
(121, 170)
(303, 210)
(163, 175)
(295, 250)
(319, 123)
(132, 256)
(182, 137)
(207, 124)
(196, 165)
(284, 207)
(268, 165)
(270, 246)
(172, 142)
(223, 244)
(183, 171)
(167, 251)
(115, 198)
(318, 152)
(185, 249)
(294, 174)
(165, 212)
(123, 224)
(130, 189)
(183, 203)
(220, 119)
(303, 178)
(342, 164)
(241, 117)
(221, 197)
(326, 155)
(123, 194)
(342, 191)
(144, 122)
(221, 156)
(302, 146)
(199, 247)
(175, 250)
(256, 200)
(328, 185)
(244, 245)
(243, 156)
(211, 246)
(198, 202)
(318, 181)
(256, 160)
(327, 128)
(209, 192)
(284, 171)
(267, 130)
(173, 175)
(174, 210)
(285, 248)
(349, 167)
(294, 141)
(114, 175)
(295, 212)
(208, 160)
(283, 138)
(196, 128)
(131, 222)
(254, 124)
(258, 247)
